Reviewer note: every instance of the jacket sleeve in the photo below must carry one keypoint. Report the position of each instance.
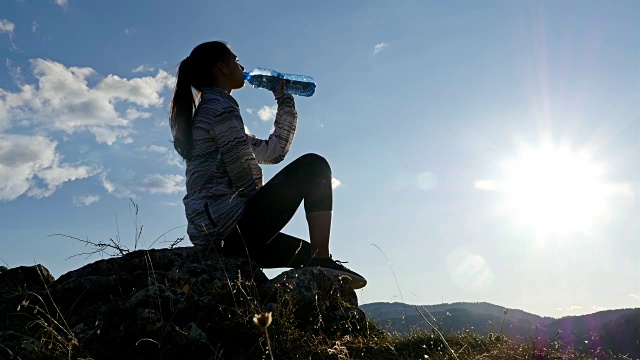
(228, 131)
(274, 149)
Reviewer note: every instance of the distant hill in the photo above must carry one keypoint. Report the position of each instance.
(617, 330)
(384, 311)
(482, 317)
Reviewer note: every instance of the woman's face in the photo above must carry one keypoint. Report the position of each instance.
(235, 72)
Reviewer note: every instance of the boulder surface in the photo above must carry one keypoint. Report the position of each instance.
(169, 304)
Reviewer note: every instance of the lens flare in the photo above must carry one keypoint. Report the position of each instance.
(469, 271)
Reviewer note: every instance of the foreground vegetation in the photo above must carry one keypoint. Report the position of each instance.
(279, 337)
(172, 319)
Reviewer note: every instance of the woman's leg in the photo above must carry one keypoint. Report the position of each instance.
(319, 232)
(284, 251)
(307, 178)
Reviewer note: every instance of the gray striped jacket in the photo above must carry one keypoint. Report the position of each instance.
(223, 171)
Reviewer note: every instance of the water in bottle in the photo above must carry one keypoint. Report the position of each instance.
(270, 79)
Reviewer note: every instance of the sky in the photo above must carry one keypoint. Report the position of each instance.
(481, 151)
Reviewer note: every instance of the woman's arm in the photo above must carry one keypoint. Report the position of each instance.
(274, 149)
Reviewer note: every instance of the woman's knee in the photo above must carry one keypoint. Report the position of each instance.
(316, 163)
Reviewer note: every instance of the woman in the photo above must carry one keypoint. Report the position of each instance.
(226, 205)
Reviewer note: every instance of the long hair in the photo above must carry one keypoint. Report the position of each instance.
(194, 72)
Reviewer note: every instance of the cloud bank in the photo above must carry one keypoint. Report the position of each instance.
(31, 165)
(68, 101)
(62, 100)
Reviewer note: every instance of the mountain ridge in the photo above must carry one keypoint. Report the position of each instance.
(470, 304)
(617, 330)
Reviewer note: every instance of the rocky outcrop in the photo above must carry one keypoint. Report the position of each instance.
(166, 304)
(22, 279)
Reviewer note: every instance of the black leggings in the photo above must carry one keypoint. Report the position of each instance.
(258, 233)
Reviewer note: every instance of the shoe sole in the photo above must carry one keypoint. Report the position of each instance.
(356, 282)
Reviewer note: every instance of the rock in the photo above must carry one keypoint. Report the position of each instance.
(178, 303)
(18, 280)
(322, 300)
(12, 342)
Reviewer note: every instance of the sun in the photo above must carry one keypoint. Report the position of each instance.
(555, 189)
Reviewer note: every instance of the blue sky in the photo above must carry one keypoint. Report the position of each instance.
(482, 151)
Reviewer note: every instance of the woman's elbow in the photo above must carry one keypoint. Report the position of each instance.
(278, 159)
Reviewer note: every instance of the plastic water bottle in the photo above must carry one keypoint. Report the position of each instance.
(270, 79)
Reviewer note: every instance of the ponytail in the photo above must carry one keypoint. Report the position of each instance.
(194, 72)
(181, 112)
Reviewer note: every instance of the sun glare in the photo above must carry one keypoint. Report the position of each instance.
(555, 189)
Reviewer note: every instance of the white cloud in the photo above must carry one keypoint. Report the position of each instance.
(15, 72)
(155, 148)
(141, 91)
(57, 175)
(142, 68)
(174, 159)
(108, 185)
(174, 203)
(335, 183)
(574, 307)
(635, 296)
(34, 27)
(85, 200)
(133, 114)
(7, 26)
(379, 47)
(21, 158)
(118, 190)
(268, 112)
(31, 165)
(163, 184)
(250, 111)
(62, 100)
(130, 30)
(62, 3)
(170, 156)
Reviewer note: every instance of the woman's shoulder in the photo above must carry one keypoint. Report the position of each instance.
(217, 97)
(216, 107)
(212, 111)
